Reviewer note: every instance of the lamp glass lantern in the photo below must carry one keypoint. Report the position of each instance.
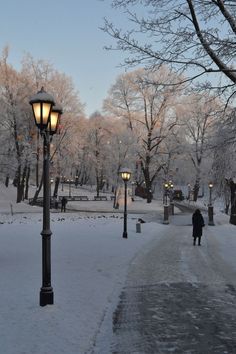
(210, 185)
(42, 104)
(54, 120)
(125, 174)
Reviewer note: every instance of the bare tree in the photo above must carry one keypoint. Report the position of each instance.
(195, 37)
(149, 110)
(13, 91)
(224, 162)
(200, 114)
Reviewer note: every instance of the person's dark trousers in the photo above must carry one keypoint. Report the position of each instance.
(199, 241)
(194, 241)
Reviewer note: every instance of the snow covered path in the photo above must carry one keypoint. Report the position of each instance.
(178, 298)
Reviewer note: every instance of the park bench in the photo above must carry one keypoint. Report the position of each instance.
(74, 198)
(80, 197)
(101, 197)
(112, 197)
(39, 202)
(66, 196)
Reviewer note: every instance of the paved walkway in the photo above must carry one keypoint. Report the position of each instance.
(177, 299)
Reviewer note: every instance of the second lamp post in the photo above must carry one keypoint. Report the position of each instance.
(210, 206)
(125, 174)
(166, 206)
(46, 116)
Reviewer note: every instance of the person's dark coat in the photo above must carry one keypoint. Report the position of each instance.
(198, 223)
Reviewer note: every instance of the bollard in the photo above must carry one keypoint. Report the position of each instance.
(210, 215)
(172, 210)
(166, 214)
(138, 227)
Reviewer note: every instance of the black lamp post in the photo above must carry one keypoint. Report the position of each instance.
(46, 116)
(166, 186)
(166, 207)
(210, 206)
(125, 174)
(171, 186)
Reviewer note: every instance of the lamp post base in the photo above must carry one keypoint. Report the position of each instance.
(46, 296)
(166, 215)
(210, 215)
(125, 235)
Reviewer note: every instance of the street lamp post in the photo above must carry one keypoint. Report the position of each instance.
(125, 174)
(171, 186)
(166, 207)
(210, 206)
(69, 181)
(46, 116)
(63, 182)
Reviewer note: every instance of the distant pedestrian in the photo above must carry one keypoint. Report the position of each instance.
(198, 223)
(63, 204)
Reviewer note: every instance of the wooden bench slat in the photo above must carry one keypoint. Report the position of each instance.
(100, 198)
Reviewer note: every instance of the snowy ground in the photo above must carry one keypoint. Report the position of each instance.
(90, 263)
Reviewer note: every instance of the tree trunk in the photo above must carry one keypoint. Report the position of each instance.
(27, 183)
(98, 185)
(57, 182)
(18, 184)
(196, 190)
(7, 180)
(149, 191)
(37, 191)
(22, 183)
(147, 179)
(233, 202)
(97, 182)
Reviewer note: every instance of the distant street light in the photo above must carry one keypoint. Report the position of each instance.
(210, 206)
(46, 115)
(210, 185)
(125, 174)
(166, 185)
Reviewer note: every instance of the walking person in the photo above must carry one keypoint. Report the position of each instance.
(198, 223)
(63, 204)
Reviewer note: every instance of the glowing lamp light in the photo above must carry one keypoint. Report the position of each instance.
(54, 119)
(42, 104)
(125, 174)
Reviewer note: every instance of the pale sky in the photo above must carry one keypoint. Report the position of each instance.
(66, 33)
